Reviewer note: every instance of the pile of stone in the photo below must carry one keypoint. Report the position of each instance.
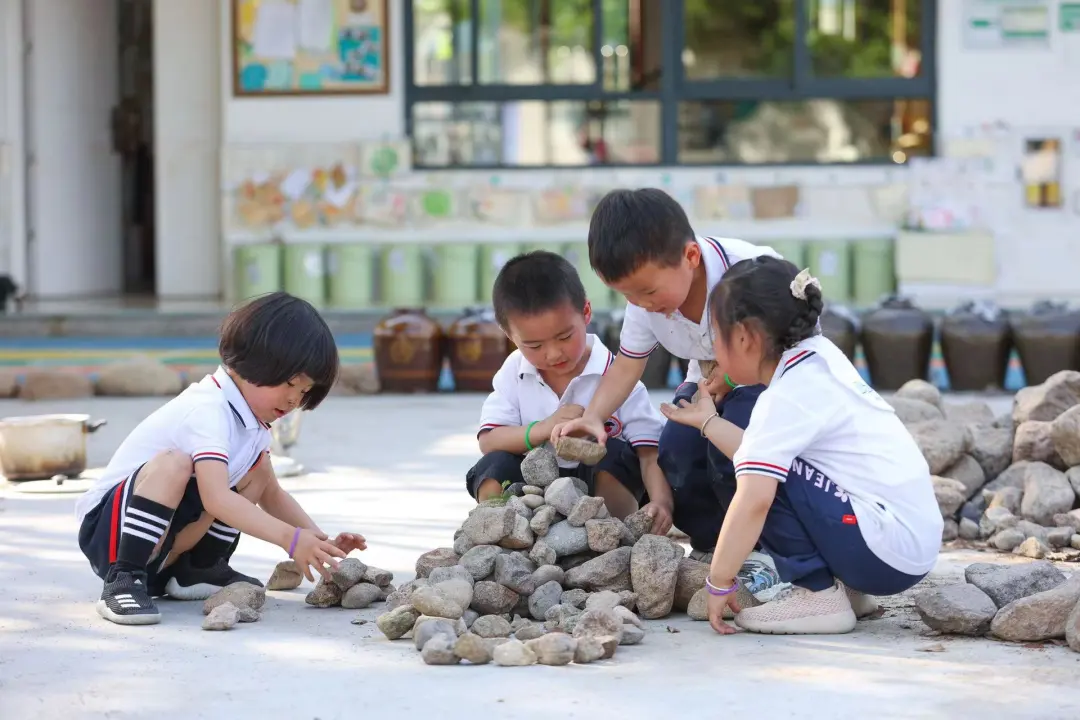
(239, 602)
(545, 576)
(1032, 602)
(1009, 483)
(353, 586)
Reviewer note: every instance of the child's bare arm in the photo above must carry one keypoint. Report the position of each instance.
(615, 387)
(279, 503)
(512, 439)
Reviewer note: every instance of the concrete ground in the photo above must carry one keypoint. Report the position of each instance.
(392, 469)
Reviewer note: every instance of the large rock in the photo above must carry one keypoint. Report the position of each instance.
(610, 571)
(1047, 401)
(480, 560)
(491, 598)
(1033, 442)
(1065, 435)
(956, 609)
(515, 571)
(598, 623)
(1009, 583)
(542, 520)
(439, 557)
(544, 598)
(992, 448)
(691, 578)
(489, 525)
(1038, 617)
(399, 621)
(969, 413)
(1072, 628)
(1047, 492)
(942, 443)
(286, 576)
(910, 410)
(968, 473)
(604, 535)
(1013, 476)
(950, 495)
(55, 385)
(563, 495)
(567, 540)
(520, 537)
(140, 377)
(240, 594)
(1073, 476)
(920, 390)
(540, 467)
(654, 572)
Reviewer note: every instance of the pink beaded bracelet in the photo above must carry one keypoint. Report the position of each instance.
(713, 590)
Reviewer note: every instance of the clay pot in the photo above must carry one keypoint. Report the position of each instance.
(897, 339)
(841, 326)
(657, 368)
(976, 342)
(477, 347)
(1047, 339)
(408, 351)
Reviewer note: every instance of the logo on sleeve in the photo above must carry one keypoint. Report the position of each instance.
(613, 427)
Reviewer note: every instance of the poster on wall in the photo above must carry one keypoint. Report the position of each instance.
(1007, 24)
(310, 47)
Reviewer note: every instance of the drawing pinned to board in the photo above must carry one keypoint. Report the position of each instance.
(433, 205)
(774, 203)
(722, 202)
(1040, 170)
(384, 206)
(570, 203)
(310, 47)
(493, 205)
(386, 159)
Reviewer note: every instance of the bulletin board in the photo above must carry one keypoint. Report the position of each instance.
(310, 47)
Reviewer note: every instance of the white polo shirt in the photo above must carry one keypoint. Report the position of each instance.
(209, 421)
(817, 409)
(521, 396)
(642, 331)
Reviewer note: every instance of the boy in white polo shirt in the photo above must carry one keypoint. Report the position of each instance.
(829, 480)
(169, 509)
(540, 303)
(642, 245)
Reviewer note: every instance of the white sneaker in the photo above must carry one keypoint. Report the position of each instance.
(862, 605)
(801, 612)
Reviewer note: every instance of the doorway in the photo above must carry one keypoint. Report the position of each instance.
(133, 141)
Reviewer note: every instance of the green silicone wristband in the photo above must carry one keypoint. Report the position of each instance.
(528, 431)
(728, 381)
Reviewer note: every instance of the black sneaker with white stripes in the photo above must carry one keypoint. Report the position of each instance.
(192, 583)
(125, 601)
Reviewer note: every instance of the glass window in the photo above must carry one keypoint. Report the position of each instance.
(865, 38)
(632, 45)
(536, 42)
(743, 39)
(535, 133)
(440, 42)
(807, 131)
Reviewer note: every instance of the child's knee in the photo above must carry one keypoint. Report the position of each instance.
(171, 467)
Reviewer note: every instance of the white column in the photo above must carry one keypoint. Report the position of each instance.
(12, 167)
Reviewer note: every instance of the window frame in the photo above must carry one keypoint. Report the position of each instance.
(675, 89)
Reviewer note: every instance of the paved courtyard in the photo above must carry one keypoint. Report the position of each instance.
(392, 468)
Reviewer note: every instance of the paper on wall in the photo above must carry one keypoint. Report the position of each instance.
(316, 21)
(275, 31)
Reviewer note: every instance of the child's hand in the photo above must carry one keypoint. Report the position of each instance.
(691, 414)
(313, 551)
(347, 542)
(716, 605)
(715, 385)
(580, 427)
(660, 512)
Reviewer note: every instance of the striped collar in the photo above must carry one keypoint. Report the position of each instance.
(794, 357)
(600, 359)
(239, 406)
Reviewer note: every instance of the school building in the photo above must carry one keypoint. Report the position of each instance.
(376, 152)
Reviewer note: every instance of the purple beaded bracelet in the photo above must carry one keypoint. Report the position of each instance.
(295, 537)
(713, 590)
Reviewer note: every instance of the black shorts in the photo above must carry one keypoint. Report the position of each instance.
(621, 461)
(99, 534)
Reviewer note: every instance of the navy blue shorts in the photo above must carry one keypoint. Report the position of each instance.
(99, 534)
(621, 462)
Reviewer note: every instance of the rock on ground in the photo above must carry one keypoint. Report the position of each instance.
(239, 594)
(1047, 492)
(553, 649)
(514, 653)
(1006, 584)
(942, 443)
(910, 410)
(399, 621)
(957, 609)
(439, 557)
(360, 596)
(1065, 435)
(222, 617)
(140, 377)
(55, 385)
(439, 650)
(325, 594)
(1037, 617)
(610, 571)
(1033, 442)
(540, 467)
(1047, 400)
(286, 576)
(472, 648)
(920, 390)
(654, 573)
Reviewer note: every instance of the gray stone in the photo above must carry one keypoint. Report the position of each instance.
(533, 502)
(377, 576)
(1072, 628)
(222, 617)
(439, 650)
(458, 590)
(1031, 530)
(1073, 476)
(458, 625)
(563, 495)
(589, 649)
(992, 448)
(910, 410)
(920, 390)
(553, 649)
(349, 572)
(584, 510)
(969, 413)
(513, 653)
(632, 635)
(604, 535)
(489, 525)
(452, 572)
(1007, 539)
(542, 554)
(548, 573)
(491, 598)
(436, 602)
(491, 626)
(469, 616)
(654, 572)
(1069, 519)
(247, 615)
(561, 618)
(403, 594)
(519, 506)
(480, 561)
(462, 542)
(1013, 476)
(950, 530)
(471, 648)
(627, 616)
(1046, 493)
(968, 473)
(603, 600)
(1033, 442)
(949, 494)
(542, 520)
(439, 557)
(610, 571)
(360, 596)
(1038, 617)
(1048, 400)
(968, 529)
(425, 629)
(325, 594)
(1008, 583)
(521, 535)
(1008, 498)
(533, 490)
(570, 562)
(529, 631)
(698, 609)
(239, 594)
(544, 598)
(956, 609)
(566, 540)
(575, 597)
(286, 576)
(638, 524)
(540, 467)
(598, 623)
(514, 571)
(942, 443)
(1033, 548)
(1074, 543)
(399, 621)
